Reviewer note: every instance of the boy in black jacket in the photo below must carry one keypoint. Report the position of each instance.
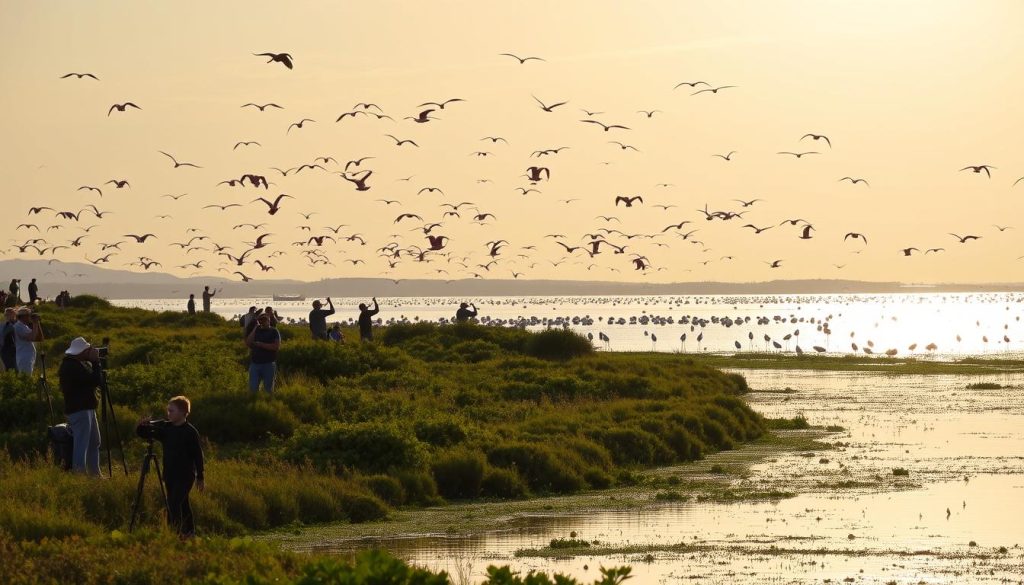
(183, 461)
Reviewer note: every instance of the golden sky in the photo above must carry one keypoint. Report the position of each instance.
(907, 92)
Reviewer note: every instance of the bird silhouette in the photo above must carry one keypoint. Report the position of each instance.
(725, 156)
(282, 58)
(979, 168)
(799, 154)
(628, 201)
(441, 105)
(534, 173)
(121, 107)
(855, 236)
(275, 205)
(263, 107)
(139, 239)
(522, 60)
(299, 124)
(854, 181)
(817, 137)
(964, 239)
(182, 164)
(237, 144)
(713, 90)
(359, 182)
(399, 142)
(423, 117)
(548, 108)
(774, 264)
(623, 146)
(79, 75)
(606, 127)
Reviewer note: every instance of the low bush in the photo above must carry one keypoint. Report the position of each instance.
(558, 344)
(503, 484)
(459, 474)
(371, 447)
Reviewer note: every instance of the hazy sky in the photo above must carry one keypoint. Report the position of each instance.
(908, 93)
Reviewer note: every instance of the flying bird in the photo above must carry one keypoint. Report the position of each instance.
(606, 127)
(121, 107)
(817, 137)
(441, 105)
(299, 124)
(275, 206)
(854, 181)
(979, 168)
(184, 164)
(628, 201)
(798, 154)
(548, 108)
(360, 182)
(856, 236)
(139, 239)
(282, 58)
(401, 142)
(522, 60)
(692, 84)
(263, 107)
(713, 90)
(79, 75)
(964, 239)
(725, 156)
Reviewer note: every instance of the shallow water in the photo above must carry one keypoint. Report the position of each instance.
(988, 324)
(964, 450)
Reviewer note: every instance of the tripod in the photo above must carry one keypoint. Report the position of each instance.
(107, 409)
(149, 458)
(44, 393)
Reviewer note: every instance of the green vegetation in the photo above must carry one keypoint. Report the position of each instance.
(985, 386)
(160, 559)
(354, 432)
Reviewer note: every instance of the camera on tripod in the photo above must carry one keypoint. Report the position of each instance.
(102, 352)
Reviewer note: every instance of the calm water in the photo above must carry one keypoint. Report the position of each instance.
(964, 450)
(959, 325)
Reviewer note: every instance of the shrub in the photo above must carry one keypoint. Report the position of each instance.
(386, 488)
(543, 469)
(630, 446)
(502, 483)
(370, 447)
(419, 487)
(440, 432)
(459, 474)
(558, 344)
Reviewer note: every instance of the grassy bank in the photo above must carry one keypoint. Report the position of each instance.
(159, 559)
(857, 363)
(425, 415)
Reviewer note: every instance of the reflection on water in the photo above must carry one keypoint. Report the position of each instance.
(963, 450)
(951, 324)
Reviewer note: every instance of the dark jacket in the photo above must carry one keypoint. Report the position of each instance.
(183, 455)
(78, 382)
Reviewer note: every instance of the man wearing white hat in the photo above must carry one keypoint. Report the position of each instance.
(79, 380)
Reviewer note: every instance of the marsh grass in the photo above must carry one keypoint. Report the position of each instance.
(427, 413)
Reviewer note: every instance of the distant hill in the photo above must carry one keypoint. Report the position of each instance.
(82, 278)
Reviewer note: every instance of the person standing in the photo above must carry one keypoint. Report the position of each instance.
(15, 290)
(318, 319)
(27, 332)
(264, 341)
(248, 320)
(207, 295)
(7, 349)
(33, 292)
(465, 313)
(274, 317)
(366, 320)
(80, 378)
(183, 461)
(191, 306)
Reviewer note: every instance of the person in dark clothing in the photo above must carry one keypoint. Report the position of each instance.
(15, 289)
(248, 320)
(318, 319)
(183, 461)
(465, 313)
(191, 306)
(33, 292)
(264, 341)
(80, 376)
(7, 350)
(366, 320)
(207, 295)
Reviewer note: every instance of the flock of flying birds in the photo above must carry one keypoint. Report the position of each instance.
(628, 250)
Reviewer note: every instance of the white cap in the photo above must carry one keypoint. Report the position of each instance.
(78, 345)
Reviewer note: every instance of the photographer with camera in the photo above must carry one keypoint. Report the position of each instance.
(7, 351)
(183, 461)
(27, 332)
(264, 341)
(80, 378)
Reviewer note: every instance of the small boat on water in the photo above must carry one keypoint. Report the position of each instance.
(282, 298)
